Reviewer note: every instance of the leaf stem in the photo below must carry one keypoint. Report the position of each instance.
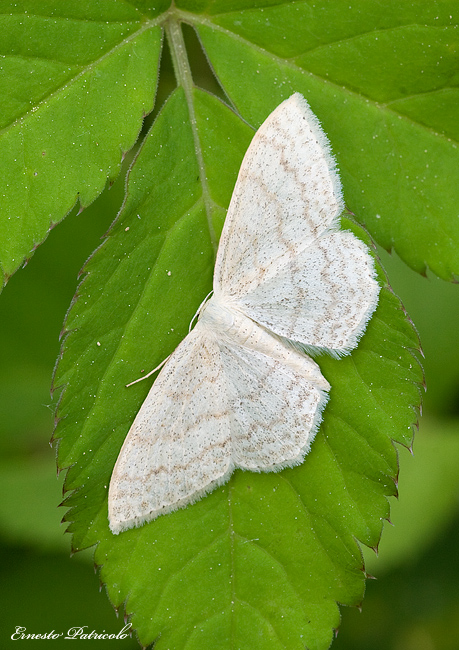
(184, 78)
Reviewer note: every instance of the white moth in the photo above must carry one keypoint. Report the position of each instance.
(239, 391)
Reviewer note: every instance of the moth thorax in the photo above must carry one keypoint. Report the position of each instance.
(216, 316)
(219, 318)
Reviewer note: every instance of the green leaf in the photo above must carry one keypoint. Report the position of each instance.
(77, 78)
(434, 307)
(86, 74)
(383, 80)
(262, 561)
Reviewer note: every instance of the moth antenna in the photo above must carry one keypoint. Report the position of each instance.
(150, 373)
(199, 310)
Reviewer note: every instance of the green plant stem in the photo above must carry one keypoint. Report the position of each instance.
(185, 80)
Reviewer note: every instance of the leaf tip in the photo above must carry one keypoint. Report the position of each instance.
(375, 549)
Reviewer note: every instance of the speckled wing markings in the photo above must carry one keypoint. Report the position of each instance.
(321, 298)
(179, 446)
(275, 410)
(281, 258)
(214, 407)
(287, 193)
(235, 393)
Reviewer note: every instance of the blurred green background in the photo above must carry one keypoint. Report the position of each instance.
(413, 604)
